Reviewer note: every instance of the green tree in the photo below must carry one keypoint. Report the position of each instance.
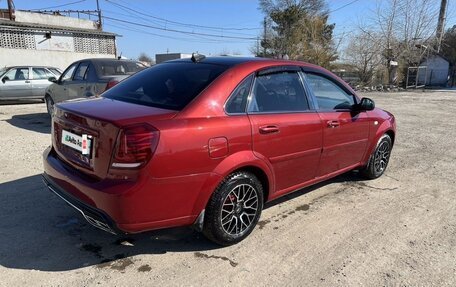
(299, 30)
(449, 45)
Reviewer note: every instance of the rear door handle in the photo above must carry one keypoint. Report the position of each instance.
(333, 124)
(27, 81)
(269, 129)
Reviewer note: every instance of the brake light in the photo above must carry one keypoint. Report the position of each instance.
(135, 146)
(111, 84)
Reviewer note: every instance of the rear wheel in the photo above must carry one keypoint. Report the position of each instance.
(379, 159)
(49, 105)
(234, 209)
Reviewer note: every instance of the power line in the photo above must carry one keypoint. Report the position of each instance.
(180, 31)
(58, 6)
(180, 23)
(204, 40)
(343, 6)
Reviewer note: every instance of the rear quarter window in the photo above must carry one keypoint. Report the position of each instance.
(168, 85)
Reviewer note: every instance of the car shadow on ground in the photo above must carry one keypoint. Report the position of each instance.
(38, 122)
(39, 232)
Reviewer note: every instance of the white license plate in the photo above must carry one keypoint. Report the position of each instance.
(77, 142)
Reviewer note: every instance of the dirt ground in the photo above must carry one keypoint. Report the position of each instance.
(397, 230)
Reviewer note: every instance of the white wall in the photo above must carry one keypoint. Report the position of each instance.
(59, 59)
(55, 20)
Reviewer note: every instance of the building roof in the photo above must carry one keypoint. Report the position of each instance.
(31, 26)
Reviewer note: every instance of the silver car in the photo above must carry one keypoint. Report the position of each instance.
(88, 78)
(25, 82)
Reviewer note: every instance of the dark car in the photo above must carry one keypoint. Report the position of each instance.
(207, 141)
(89, 77)
(25, 82)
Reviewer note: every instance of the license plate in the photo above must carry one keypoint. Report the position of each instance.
(80, 143)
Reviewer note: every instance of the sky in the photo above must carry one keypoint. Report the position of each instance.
(207, 27)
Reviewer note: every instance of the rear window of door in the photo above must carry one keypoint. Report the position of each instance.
(41, 74)
(168, 85)
(328, 94)
(278, 92)
(81, 72)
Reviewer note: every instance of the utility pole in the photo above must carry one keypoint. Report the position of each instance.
(11, 10)
(258, 47)
(441, 23)
(99, 16)
(264, 38)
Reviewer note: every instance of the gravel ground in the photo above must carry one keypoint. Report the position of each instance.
(397, 230)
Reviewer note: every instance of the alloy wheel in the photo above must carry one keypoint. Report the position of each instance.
(381, 157)
(239, 209)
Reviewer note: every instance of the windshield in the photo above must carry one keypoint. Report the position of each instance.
(168, 85)
(117, 67)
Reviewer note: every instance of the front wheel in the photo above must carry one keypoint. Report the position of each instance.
(379, 159)
(49, 105)
(234, 209)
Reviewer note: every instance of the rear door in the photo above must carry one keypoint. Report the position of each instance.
(286, 131)
(40, 81)
(16, 84)
(345, 132)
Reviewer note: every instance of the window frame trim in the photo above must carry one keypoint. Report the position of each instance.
(306, 70)
(248, 95)
(278, 70)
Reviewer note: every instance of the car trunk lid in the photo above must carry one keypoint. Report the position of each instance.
(97, 122)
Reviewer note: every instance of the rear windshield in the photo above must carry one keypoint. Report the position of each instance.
(117, 67)
(167, 86)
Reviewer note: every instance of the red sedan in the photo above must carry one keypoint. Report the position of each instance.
(207, 141)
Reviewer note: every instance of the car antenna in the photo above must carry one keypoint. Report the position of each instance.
(197, 57)
(120, 56)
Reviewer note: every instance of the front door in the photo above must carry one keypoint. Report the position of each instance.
(77, 87)
(345, 133)
(15, 84)
(286, 132)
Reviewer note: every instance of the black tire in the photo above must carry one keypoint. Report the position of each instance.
(230, 218)
(379, 158)
(49, 105)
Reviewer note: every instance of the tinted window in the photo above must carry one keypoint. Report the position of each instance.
(55, 71)
(68, 73)
(18, 74)
(41, 73)
(238, 99)
(167, 85)
(278, 92)
(328, 94)
(81, 72)
(117, 67)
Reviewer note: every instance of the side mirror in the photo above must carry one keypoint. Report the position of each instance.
(365, 104)
(5, 79)
(52, 79)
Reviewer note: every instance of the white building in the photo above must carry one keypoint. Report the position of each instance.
(437, 71)
(40, 39)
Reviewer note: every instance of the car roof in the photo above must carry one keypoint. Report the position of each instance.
(107, 59)
(231, 61)
(21, 66)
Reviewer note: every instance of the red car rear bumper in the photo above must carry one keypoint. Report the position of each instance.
(129, 206)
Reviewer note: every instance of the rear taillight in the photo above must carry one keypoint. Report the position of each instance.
(135, 146)
(111, 84)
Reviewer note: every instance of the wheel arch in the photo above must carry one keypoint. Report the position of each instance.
(242, 161)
